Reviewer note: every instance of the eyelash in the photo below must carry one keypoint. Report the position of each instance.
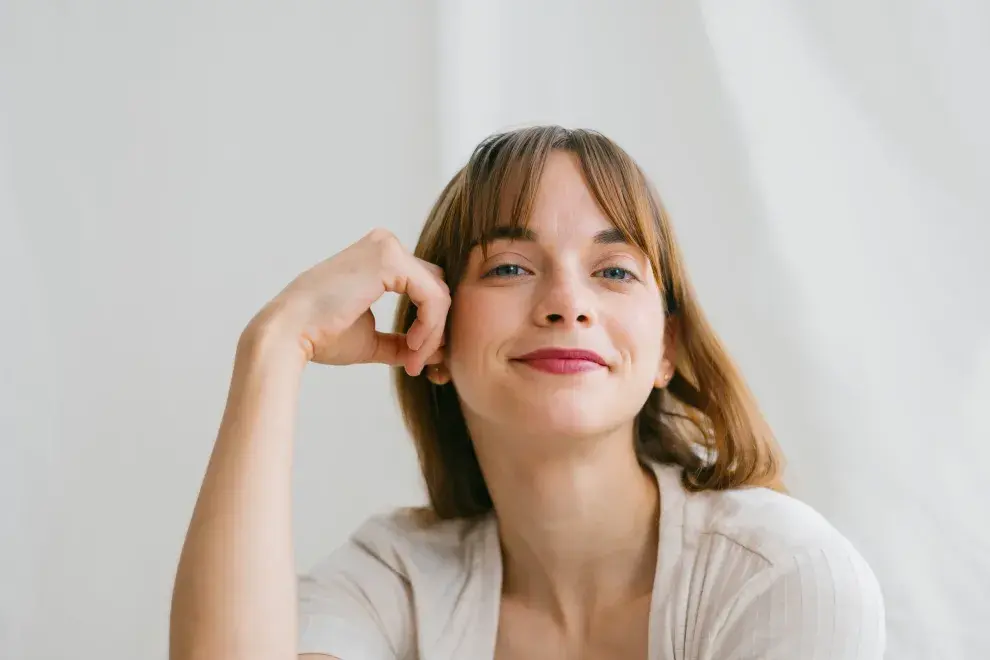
(628, 274)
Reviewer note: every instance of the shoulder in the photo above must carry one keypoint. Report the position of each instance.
(410, 547)
(410, 541)
(363, 595)
(781, 571)
(772, 525)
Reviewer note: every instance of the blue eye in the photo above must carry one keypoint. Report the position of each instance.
(506, 270)
(616, 273)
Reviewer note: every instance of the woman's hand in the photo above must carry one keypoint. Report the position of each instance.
(326, 310)
(235, 588)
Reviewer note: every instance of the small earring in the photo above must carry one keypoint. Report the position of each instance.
(435, 370)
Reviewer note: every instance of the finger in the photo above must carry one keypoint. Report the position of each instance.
(431, 316)
(431, 297)
(417, 332)
(436, 340)
(420, 281)
(437, 357)
(433, 268)
(421, 357)
(390, 348)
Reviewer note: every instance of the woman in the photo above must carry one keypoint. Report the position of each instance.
(601, 482)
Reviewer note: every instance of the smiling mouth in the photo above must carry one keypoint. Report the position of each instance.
(563, 361)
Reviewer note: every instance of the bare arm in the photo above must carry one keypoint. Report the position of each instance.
(235, 590)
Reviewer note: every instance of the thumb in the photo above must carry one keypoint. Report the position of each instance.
(390, 348)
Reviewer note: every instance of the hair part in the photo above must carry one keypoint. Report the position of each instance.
(705, 420)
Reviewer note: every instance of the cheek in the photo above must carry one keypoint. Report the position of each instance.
(479, 319)
(639, 333)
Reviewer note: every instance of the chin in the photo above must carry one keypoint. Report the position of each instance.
(571, 414)
(562, 408)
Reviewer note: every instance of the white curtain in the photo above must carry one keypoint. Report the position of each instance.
(826, 165)
(867, 130)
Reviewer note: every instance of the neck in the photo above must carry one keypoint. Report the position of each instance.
(578, 527)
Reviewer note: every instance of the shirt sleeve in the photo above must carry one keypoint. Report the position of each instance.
(354, 605)
(824, 605)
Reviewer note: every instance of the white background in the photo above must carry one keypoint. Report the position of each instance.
(166, 167)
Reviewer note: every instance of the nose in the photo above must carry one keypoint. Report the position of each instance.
(565, 301)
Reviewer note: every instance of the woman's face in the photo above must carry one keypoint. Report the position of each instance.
(569, 283)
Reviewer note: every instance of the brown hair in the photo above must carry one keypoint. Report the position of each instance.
(705, 420)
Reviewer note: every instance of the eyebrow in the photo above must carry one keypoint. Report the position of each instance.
(610, 236)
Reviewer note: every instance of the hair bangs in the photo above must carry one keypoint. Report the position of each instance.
(629, 202)
(494, 195)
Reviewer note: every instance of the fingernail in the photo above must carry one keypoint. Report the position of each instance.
(414, 342)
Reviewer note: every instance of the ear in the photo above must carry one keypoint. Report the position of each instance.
(438, 374)
(668, 359)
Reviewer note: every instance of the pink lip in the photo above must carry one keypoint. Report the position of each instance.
(563, 360)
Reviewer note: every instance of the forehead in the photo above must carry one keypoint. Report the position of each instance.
(564, 204)
(563, 211)
(548, 200)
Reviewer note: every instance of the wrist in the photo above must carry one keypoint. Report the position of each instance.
(271, 340)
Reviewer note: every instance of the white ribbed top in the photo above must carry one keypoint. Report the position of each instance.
(744, 574)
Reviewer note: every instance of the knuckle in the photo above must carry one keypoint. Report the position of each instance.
(431, 268)
(388, 247)
(380, 235)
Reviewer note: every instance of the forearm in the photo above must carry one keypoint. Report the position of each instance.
(235, 588)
